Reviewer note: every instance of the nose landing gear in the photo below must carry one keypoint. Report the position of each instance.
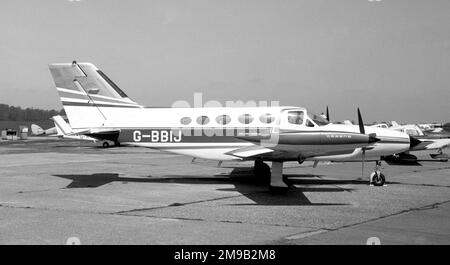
(377, 178)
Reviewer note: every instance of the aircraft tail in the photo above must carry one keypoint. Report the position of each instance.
(85, 92)
(37, 130)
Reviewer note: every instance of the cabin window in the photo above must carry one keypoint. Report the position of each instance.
(412, 132)
(267, 118)
(296, 117)
(186, 121)
(202, 120)
(309, 123)
(223, 119)
(245, 118)
(318, 119)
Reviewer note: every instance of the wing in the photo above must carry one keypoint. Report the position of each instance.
(250, 152)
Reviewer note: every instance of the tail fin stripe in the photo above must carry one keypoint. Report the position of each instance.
(65, 93)
(82, 104)
(87, 100)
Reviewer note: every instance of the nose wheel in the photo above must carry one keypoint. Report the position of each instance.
(377, 178)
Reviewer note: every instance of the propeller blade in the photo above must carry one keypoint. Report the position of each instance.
(328, 115)
(361, 123)
(363, 160)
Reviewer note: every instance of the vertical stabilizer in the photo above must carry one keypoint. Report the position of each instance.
(85, 91)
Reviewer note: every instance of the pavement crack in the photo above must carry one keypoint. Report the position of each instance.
(210, 221)
(176, 204)
(422, 208)
(326, 230)
(425, 185)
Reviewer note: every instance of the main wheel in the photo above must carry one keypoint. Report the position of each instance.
(262, 171)
(105, 144)
(377, 179)
(278, 190)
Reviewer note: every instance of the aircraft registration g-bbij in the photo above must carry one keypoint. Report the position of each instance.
(98, 108)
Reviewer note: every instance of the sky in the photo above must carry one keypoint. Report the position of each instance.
(391, 58)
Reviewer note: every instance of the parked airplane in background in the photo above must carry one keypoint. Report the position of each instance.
(62, 130)
(422, 141)
(428, 140)
(98, 108)
(38, 131)
(431, 127)
(65, 131)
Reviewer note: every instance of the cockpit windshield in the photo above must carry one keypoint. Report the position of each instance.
(319, 120)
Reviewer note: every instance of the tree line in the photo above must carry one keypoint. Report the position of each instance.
(11, 113)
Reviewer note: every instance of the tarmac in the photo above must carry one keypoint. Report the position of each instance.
(52, 190)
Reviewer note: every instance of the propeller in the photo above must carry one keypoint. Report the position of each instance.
(328, 115)
(372, 139)
(360, 123)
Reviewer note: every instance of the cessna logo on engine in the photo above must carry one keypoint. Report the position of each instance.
(158, 136)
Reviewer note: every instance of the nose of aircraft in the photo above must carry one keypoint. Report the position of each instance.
(413, 142)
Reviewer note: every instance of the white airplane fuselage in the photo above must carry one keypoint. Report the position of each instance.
(98, 108)
(161, 128)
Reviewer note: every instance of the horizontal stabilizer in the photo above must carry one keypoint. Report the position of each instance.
(102, 134)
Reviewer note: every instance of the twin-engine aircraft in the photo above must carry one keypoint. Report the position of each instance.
(98, 108)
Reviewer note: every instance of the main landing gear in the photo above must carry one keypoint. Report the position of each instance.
(106, 144)
(377, 178)
(274, 177)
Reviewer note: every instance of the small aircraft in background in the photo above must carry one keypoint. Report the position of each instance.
(420, 140)
(63, 130)
(431, 127)
(37, 130)
(428, 140)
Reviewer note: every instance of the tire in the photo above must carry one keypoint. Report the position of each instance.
(378, 179)
(262, 171)
(278, 190)
(105, 144)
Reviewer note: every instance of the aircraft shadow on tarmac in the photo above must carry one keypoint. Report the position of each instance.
(243, 180)
(409, 163)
